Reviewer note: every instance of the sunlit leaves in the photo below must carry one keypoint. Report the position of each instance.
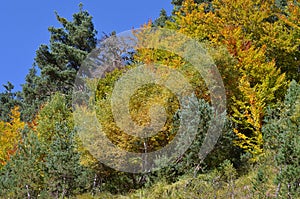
(10, 136)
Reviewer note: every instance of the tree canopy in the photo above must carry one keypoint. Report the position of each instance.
(255, 47)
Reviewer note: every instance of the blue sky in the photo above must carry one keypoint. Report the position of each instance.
(24, 26)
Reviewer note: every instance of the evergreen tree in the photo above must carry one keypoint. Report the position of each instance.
(31, 94)
(8, 100)
(47, 161)
(64, 174)
(161, 20)
(22, 177)
(59, 61)
(282, 133)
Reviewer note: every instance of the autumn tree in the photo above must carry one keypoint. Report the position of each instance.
(10, 136)
(240, 28)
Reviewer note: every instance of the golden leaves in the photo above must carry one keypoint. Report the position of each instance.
(10, 136)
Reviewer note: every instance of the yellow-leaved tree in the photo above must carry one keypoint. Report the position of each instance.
(255, 79)
(10, 136)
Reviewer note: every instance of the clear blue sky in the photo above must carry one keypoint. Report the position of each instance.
(24, 26)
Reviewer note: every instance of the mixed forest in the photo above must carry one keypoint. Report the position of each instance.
(255, 45)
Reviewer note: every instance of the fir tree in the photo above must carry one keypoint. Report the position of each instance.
(8, 100)
(59, 61)
(161, 20)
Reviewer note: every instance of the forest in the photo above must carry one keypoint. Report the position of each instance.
(255, 48)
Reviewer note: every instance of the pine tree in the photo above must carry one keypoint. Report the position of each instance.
(65, 176)
(282, 134)
(23, 176)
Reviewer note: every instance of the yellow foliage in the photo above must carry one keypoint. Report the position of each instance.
(10, 136)
(243, 28)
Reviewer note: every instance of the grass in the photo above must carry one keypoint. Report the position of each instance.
(215, 184)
